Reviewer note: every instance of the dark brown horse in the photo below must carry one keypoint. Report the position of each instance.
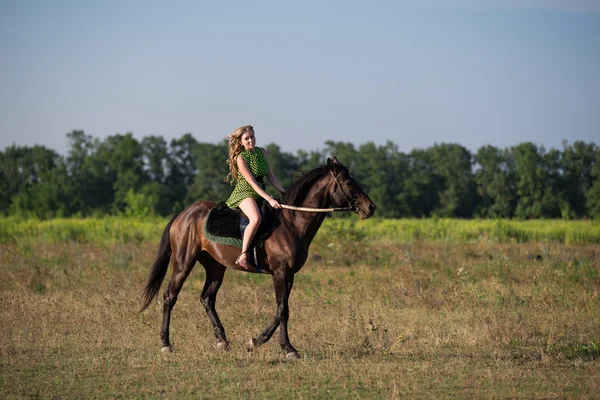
(285, 251)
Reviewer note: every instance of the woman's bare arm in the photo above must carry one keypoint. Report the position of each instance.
(271, 176)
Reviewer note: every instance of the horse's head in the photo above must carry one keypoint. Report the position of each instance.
(347, 192)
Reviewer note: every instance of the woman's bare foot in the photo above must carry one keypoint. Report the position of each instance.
(242, 260)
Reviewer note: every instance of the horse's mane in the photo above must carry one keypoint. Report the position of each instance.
(298, 191)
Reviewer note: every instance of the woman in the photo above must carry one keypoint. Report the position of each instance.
(248, 165)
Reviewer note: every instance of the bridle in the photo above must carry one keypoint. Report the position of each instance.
(353, 207)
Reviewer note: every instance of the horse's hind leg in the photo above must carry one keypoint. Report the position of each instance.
(182, 266)
(214, 278)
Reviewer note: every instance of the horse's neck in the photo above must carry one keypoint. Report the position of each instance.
(308, 223)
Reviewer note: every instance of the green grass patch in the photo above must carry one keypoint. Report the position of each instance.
(335, 232)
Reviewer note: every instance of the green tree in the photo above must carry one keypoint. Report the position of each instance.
(33, 181)
(554, 199)
(155, 155)
(139, 205)
(382, 173)
(593, 192)
(156, 161)
(284, 165)
(577, 163)
(49, 198)
(89, 187)
(495, 183)
(211, 163)
(181, 170)
(309, 160)
(531, 179)
(420, 194)
(13, 175)
(452, 163)
(49, 193)
(123, 156)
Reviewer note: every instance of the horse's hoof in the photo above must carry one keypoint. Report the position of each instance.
(293, 355)
(251, 345)
(167, 349)
(223, 345)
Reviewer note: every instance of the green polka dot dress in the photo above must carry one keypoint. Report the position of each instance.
(257, 162)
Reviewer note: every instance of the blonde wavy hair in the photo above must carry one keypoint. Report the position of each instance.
(235, 148)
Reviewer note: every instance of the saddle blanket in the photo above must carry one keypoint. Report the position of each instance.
(226, 226)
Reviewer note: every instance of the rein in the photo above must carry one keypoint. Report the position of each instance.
(315, 209)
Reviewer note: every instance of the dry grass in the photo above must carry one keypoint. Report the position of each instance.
(427, 320)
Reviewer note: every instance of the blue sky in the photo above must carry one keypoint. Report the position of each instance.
(414, 72)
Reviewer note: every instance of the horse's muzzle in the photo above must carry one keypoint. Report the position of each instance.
(365, 214)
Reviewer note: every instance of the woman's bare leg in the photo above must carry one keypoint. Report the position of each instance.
(250, 208)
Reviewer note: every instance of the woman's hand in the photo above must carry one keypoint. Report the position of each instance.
(274, 203)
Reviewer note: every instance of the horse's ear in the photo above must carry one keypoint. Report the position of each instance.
(335, 160)
(332, 164)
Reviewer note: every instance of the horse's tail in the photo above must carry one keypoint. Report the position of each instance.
(159, 268)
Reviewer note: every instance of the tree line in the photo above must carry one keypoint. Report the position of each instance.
(123, 175)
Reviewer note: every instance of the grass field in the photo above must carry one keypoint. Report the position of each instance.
(377, 312)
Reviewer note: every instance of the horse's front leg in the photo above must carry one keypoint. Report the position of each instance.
(284, 313)
(283, 282)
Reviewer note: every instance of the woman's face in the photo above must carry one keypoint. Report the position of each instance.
(248, 140)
